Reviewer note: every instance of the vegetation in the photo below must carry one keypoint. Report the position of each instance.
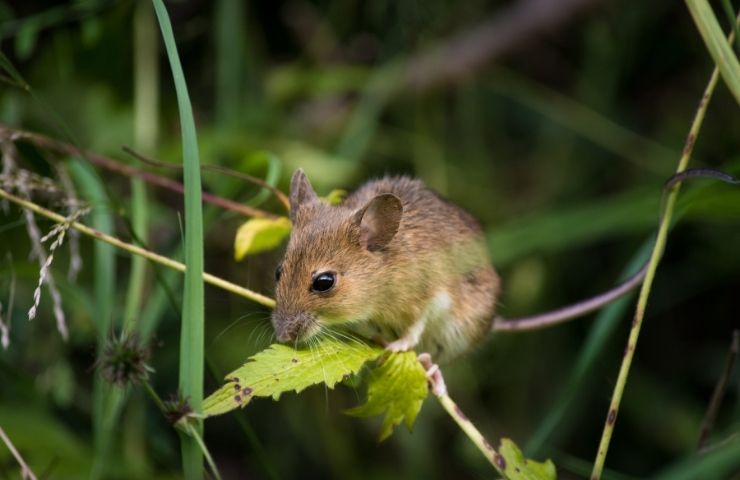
(125, 299)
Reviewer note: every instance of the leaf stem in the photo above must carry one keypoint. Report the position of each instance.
(136, 250)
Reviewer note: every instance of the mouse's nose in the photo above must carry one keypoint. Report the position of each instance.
(290, 326)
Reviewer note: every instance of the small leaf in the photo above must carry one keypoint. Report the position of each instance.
(516, 467)
(397, 388)
(335, 197)
(259, 235)
(280, 369)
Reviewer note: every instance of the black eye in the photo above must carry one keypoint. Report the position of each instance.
(323, 281)
(278, 272)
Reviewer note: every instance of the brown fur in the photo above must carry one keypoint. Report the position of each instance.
(434, 257)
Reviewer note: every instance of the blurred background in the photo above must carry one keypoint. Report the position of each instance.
(555, 123)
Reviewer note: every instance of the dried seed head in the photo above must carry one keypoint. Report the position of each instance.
(177, 408)
(124, 361)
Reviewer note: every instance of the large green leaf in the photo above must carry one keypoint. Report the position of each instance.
(397, 388)
(280, 369)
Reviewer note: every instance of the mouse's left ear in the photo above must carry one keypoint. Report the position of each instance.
(301, 192)
(379, 220)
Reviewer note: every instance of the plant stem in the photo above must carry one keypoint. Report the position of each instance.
(192, 431)
(126, 170)
(26, 472)
(136, 250)
(719, 391)
(471, 431)
(648, 282)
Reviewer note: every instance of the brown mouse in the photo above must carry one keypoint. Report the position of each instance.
(398, 262)
(394, 260)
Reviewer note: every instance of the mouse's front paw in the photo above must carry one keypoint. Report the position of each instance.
(401, 345)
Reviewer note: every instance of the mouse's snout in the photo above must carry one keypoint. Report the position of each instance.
(291, 326)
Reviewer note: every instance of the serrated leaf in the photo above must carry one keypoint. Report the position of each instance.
(516, 467)
(280, 369)
(397, 388)
(335, 197)
(259, 235)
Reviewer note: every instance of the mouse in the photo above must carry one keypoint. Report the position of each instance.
(397, 263)
(394, 262)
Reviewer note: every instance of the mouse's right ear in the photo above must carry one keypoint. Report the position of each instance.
(300, 192)
(379, 221)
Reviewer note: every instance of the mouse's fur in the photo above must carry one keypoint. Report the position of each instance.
(410, 267)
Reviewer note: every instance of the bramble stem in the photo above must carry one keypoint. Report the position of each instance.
(471, 431)
(136, 250)
(648, 282)
(115, 166)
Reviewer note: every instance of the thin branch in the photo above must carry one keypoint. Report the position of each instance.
(213, 168)
(126, 170)
(136, 250)
(26, 472)
(719, 391)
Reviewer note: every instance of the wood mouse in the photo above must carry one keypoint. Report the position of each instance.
(393, 261)
(397, 262)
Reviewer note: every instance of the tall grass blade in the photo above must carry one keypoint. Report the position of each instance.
(717, 44)
(191, 336)
(92, 190)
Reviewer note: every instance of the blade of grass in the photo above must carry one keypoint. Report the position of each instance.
(146, 123)
(191, 335)
(717, 44)
(727, 6)
(92, 190)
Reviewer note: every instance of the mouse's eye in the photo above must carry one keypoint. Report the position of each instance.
(278, 272)
(323, 281)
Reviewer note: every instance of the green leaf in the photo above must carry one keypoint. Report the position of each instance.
(259, 235)
(397, 388)
(280, 369)
(517, 467)
(335, 197)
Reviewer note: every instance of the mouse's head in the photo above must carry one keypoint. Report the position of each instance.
(333, 263)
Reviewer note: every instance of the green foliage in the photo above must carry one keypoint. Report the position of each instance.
(279, 369)
(396, 388)
(260, 234)
(716, 42)
(517, 467)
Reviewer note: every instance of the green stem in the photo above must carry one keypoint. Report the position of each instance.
(194, 433)
(471, 431)
(136, 250)
(648, 282)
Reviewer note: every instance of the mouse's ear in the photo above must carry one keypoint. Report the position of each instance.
(378, 221)
(300, 192)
